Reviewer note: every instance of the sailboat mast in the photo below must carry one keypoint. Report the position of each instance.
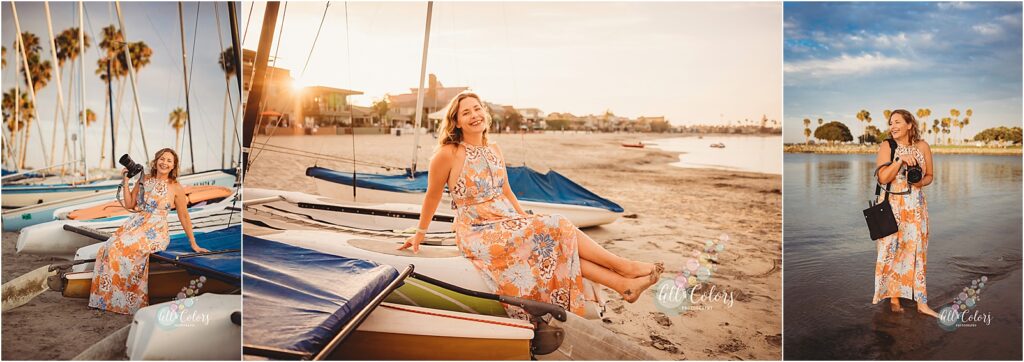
(60, 88)
(252, 103)
(419, 92)
(81, 86)
(31, 88)
(184, 70)
(236, 48)
(131, 75)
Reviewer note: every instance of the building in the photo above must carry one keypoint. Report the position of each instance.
(436, 97)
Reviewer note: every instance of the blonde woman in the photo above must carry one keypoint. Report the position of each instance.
(538, 257)
(121, 275)
(902, 257)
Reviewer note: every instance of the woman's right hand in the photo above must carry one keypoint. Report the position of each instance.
(124, 175)
(414, 242)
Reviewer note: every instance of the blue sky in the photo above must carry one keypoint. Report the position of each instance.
(161, 88)
(840, 58)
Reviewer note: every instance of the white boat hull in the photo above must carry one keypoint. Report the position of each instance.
(16, 219)
(50, 239)
(454, 269)
(581, 216)
(202, 331)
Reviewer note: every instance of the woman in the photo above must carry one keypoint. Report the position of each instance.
(120, 277)
(539, 257)
(902, 257)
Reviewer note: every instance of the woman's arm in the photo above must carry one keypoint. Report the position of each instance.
(181, 204)
(440, 168)
(928, 169)
(887, 173)
(131, 200)
(507, 189)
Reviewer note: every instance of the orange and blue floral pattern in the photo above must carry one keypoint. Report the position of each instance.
(121, 273)
(902, 257)
(531, 256)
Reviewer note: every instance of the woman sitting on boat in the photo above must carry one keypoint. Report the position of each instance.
(538, 257)
(121, 275)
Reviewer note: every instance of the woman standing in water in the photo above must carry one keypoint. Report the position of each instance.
(902, 257)
(121, 275)
(538, 257)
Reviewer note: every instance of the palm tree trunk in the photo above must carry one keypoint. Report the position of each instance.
(53, 135)
(103, 134)
(177, 140)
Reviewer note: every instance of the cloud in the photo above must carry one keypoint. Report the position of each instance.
(987, 29)
(843, 65)
(959, 5)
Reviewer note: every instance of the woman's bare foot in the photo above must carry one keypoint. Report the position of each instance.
(634, 287)
(638, 269)
(894, 303)
(923, 308)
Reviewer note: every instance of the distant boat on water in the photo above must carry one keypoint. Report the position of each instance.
(718, 145)
(634, 145)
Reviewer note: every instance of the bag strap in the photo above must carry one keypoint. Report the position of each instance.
(878, 186)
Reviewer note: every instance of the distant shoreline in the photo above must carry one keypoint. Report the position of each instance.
(871, 149)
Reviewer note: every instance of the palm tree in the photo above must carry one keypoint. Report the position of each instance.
(946, 123)
(886, 113)
(955, 121)
(820, 121)
(966, 121)
(935, 128)
(90, 117)
(4, 57)
(177, 120)
(112, 43)
(24, 115)
(864, 116)
(807, 130)
(40, 71)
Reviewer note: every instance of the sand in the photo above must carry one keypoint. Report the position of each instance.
(50, 327)
(1012, 150)
(670, 212)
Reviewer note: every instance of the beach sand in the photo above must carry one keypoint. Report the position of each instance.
(50, 327)
(670, 212)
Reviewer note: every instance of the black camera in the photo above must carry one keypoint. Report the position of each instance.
(914, 174)
(133, 168)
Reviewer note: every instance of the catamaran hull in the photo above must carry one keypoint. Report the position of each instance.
(581, 216)
(16, 219)
(16, 196)
(436, 335)
(444, 263)
(164, 283)
(52, 240)
(202, 330)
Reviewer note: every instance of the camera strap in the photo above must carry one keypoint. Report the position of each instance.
(878, 185)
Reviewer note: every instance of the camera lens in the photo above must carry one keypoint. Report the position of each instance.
(128, 163)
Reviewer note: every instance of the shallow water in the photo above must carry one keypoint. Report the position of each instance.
(975, 211)
(761, 154)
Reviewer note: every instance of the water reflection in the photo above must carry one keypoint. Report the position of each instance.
(975, 211)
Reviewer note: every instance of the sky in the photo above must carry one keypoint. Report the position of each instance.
(161, 85)
(690, 62)
(844, 57)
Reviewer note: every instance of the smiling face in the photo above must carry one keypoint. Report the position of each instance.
(902, 126)
(165, 164)
(472, 117)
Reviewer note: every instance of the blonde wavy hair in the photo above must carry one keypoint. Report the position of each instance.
(449, 133)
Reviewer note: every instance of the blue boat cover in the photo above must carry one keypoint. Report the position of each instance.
(299, 299)
(526, 183)
(227, 266)
(6, 172)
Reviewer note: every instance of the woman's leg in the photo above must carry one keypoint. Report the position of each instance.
(629, 288)
(894, 304)
(592, 252)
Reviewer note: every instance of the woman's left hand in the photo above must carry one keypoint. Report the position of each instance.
(199, 249)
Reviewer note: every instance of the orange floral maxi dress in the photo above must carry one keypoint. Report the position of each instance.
(121, 273)
(531, 256)
(902, 257)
